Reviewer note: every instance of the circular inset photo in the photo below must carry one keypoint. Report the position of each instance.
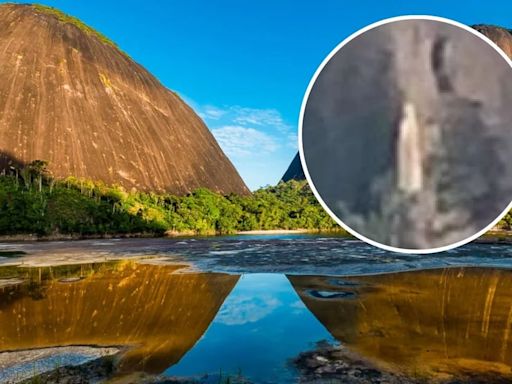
(405, 134)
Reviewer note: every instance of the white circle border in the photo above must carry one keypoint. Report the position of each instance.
(301, 120)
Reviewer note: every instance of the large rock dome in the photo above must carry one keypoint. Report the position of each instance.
(69, 96)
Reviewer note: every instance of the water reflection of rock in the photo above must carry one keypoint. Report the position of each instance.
(432, 323)
(158, 314)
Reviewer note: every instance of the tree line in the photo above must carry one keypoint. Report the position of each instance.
(32, 202)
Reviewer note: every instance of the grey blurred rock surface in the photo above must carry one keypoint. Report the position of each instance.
(461, 92)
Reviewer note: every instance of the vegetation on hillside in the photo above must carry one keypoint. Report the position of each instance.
(61, 16)
(506, 223)
(32, 202)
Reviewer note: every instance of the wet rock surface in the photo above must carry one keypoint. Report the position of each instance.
(294, 254)
(92, 372)
(66, 364)
(336, 364)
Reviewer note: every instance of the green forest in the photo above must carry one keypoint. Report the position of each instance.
(32, 202)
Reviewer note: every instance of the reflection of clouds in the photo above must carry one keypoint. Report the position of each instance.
(297, 305)
(298, 308)
(242, 310)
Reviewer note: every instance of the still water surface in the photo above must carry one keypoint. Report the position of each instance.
(449, 321)
(260, 327)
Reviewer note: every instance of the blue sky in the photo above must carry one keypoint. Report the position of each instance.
(245, 67)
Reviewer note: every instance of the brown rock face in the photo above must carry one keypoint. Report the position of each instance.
(500, 36)
(79, 103)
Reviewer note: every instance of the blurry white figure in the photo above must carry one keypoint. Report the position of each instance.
(410, 170)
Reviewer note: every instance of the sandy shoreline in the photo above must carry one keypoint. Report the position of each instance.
(276, 231)
(72, 237)
(493, 237)
(168, 234)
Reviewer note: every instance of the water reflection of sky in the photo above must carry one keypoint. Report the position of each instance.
(259, 328)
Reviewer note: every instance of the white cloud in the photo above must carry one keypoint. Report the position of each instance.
(242, 310)
(293, 140)
(260, 117)
(259, 141)
(210, 112)
(243, 131)
(238, 141)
